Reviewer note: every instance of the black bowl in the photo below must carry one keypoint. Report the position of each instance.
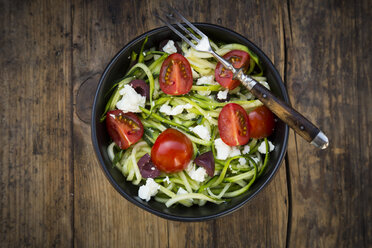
(118, 67)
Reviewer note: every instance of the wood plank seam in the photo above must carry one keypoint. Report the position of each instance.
(289, 202)
(287, 168)
(72, 194)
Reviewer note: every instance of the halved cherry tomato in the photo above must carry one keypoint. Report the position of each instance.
(124, 129)
(175, 75)
(172, 151)
(224, 77)
(233, 125)
(261, 122)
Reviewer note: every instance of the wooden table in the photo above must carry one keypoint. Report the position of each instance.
(53, 192)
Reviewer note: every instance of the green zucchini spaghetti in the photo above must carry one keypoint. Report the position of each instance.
(171, 93)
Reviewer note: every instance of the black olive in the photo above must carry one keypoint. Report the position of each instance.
(206, 160)
(141, 87)
(147, 168)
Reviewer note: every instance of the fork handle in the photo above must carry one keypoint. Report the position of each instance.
(295, 120)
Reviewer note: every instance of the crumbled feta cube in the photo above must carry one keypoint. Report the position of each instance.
(242, 161)
(223, 150)
(148, 190)
(131, 100)
(195, 75)
(170, 47)
(166, 179)
(222, 94)
(234, 152)
(198, 174)
(246, 149)
(262, 147)
(168, 110)
(201, 131)
(208, 80)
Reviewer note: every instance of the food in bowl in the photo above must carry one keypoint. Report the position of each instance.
(183, 129)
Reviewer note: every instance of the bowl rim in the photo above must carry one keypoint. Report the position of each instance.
(130, 198)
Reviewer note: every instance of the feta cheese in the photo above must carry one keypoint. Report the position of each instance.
(168, 110)
(131, 100)
(170, 47)
(223, 150)
(148, 190)
(201, 131)
(198, 174)
(242, 161)
(234, 152)
(262, 147)
(246, 149)
(222, 94)
(166, 179)
(209, 80)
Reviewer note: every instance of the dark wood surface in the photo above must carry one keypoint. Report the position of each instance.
(53, 192)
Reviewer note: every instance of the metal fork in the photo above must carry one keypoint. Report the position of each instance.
(295, 120)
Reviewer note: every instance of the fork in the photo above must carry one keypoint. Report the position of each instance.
(295, 120)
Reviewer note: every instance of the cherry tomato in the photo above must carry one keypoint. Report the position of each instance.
(175, 75)
(124, 129)
(224, 77)
(233, 125)
(172, 151)
(261, 122)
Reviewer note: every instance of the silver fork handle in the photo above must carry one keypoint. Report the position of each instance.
(294, 119)
(223, 61)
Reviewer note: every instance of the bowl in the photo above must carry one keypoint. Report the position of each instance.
(118, 67)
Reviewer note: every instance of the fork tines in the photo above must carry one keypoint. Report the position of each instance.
(172, 17)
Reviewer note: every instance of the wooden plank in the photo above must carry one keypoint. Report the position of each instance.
(102, 217)
(329, 76)
(35, 116)
(100, 30)
(263, 222)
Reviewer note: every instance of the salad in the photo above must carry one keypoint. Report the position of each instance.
(183, 129)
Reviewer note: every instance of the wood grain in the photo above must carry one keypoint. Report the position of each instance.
(102, 217)
(54, 193)
(35, 134)
(329, 79)
(105, 34)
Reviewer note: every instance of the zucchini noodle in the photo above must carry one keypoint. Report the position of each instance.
(234, 175)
